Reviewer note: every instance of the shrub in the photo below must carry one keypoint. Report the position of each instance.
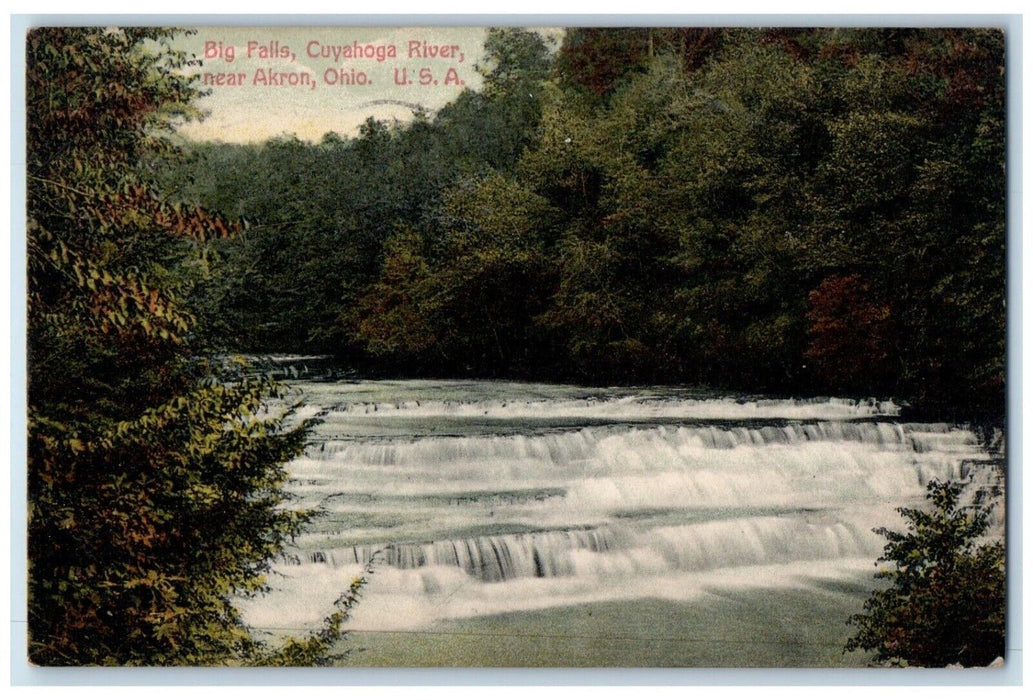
(946, 600)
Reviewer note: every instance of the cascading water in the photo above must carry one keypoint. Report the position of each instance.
(483, 498)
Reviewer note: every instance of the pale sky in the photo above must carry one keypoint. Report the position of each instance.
(249, 105)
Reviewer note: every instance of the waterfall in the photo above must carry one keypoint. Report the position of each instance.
(620, 550)
(478, 496)
(624, 408)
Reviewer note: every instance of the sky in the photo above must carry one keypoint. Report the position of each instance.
(308, 81)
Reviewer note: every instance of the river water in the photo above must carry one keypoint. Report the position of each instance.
(480, 500)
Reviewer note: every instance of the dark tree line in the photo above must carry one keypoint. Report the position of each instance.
(785, 210)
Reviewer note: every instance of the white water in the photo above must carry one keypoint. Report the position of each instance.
(474, 498)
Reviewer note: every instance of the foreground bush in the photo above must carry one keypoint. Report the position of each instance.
(946, 600)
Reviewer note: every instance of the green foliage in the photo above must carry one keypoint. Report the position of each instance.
(155, 484)
(945, 602)
(805, 210)
(141, 530)
(396, 315)
(650, 204)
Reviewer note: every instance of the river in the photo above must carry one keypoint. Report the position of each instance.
(532, 524)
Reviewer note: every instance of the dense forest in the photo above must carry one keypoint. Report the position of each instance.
(786, 211)
(778, 210)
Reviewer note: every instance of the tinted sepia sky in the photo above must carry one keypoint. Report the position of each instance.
(308, 81)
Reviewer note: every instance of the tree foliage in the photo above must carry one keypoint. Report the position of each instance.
(792, 210)
(945, 602)
(849, 333)
(155, 484)
(804, 210)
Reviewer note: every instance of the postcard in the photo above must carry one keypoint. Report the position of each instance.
(529, 347)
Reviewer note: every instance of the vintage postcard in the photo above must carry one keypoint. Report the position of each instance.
(516, 346)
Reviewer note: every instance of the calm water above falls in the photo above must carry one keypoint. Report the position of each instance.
(477, 498)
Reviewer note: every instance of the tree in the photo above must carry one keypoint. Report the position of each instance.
(155, 483)
(816, 210)
(850, 335)
(595, 60)
(946, 599)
